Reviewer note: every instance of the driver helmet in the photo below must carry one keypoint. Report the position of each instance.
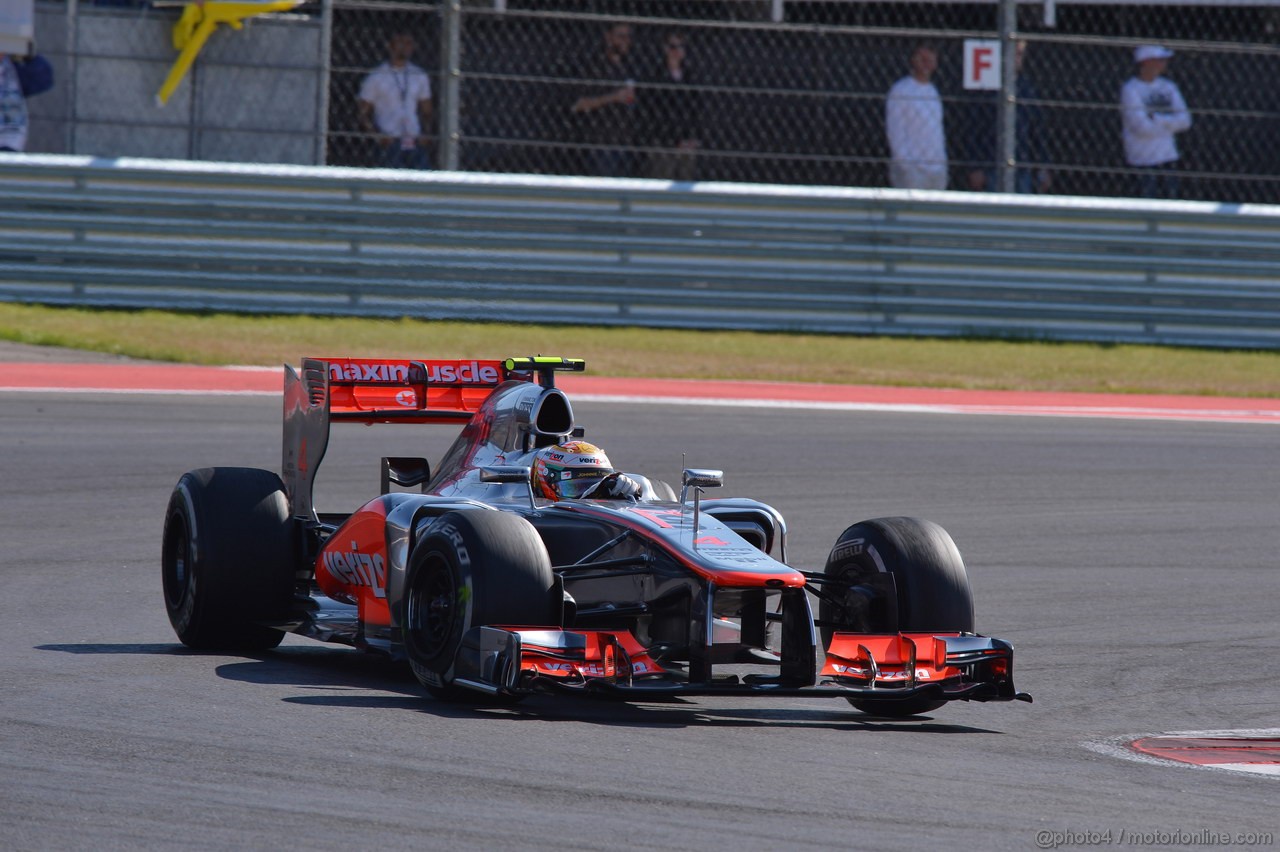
(567, 471)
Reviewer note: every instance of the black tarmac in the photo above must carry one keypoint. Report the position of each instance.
(1134, 565)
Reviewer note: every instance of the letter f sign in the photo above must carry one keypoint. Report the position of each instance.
(981, 64)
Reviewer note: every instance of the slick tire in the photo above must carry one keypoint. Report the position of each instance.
(933, 591)
(228, 559)
(470, 569)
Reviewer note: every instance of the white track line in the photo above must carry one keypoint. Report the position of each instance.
(1113, 412)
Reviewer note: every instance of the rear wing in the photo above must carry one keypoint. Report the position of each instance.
(366, 390)
(386, 390)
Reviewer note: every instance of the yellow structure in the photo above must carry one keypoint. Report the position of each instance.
(199, 20)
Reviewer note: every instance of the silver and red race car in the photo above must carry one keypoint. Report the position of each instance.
(492, 592)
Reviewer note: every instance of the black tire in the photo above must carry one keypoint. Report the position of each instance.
(472, 568)
(663, 491)
(228, 560)
(932, 585)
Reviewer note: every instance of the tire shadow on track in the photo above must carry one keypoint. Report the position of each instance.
(310, 667)
(118, 648)
(356, 672)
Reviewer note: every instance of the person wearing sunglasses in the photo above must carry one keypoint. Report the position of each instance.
(672, 111)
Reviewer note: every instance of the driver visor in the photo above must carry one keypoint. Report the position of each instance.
(575, 483)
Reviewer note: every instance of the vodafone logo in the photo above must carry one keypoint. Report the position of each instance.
(407, 398)
(358, 569)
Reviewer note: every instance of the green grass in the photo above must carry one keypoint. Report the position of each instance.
(939, 363)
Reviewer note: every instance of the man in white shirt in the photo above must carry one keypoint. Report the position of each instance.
(1153, 111)
(913, 122)
(395, 106)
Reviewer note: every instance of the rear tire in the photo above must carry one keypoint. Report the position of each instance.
(228, 558)
(933, 591)
(472, 568)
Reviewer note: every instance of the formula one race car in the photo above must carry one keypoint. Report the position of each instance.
(526, 564)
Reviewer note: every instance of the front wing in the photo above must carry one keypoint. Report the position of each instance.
(944, 667)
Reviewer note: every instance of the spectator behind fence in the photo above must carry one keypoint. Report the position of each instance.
(672, 113)
(395, 106)
(1029, 146)
(604, 113)
(1153, 111)
(20, 78)
(913, 123)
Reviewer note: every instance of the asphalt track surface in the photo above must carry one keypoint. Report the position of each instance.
(1134, 564)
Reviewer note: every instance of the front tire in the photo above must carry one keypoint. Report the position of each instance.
(933, 593)
(472, 568)
(228, 558)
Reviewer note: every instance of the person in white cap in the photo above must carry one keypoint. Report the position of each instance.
(1153, 111)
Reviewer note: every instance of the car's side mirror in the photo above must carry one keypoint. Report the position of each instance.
(694, 477)
(698, 479)
(510, 473)
(506, 473)
(404, 470)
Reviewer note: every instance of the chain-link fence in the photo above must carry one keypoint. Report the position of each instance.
(1223, 61)
(796, 91)
(788, 91)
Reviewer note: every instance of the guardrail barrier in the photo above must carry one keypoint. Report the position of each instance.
(295, 239)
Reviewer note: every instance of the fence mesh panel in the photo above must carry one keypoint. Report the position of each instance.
(1221, 57)
(795, 92)
(773, 91)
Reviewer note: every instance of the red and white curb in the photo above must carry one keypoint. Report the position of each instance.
(182, 379)
(1255, 751)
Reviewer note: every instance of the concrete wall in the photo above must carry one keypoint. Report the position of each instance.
(252, 95)
(17, 26)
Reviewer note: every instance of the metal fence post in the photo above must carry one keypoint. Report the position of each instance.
(195, 111)
(73, 51)
(451, 63)
(1006, 168)
(325, 60)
